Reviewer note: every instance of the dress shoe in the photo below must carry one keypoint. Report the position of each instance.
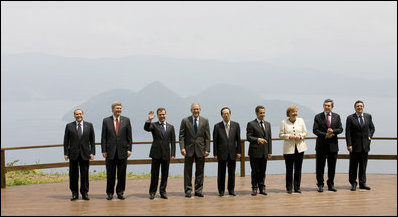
(120, 197)
(221, 194)
(297, 191)
(199, 195)
(74, 197)
(164, 196)
(85, 197)
(354, 187)
(364, 187)
(263, 192)
(254, 192)
(188, 195)
(332, 188)
(320, 188)
(289, 191)
(109, 197)
(151, 196)
(232, 193)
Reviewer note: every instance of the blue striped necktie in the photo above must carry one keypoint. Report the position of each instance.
(195, 126)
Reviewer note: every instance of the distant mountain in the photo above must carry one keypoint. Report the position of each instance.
(241, 101)
(44, 77)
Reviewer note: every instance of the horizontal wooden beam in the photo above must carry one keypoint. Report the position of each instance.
(179, 160)
(143, 143)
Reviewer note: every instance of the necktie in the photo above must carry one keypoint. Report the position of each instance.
(360, 120)
(79, 130)
(328, 120)
(227, 130)
(163, 130)
(117, 126)
(195, 126)
(262, 127)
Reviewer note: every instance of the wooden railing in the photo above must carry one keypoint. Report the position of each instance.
(242, 160)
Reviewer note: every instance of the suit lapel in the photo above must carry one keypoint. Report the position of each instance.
(112, 124)
(223, 129)
(356, 120)
(190, 125)
(333, 119)
(259, 127)
(160, 129)
(200, 124)
(75, 128)
(85, 128)
(325, 122)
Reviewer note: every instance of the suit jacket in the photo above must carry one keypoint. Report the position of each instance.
(224, 146)
(73, 146)
(320, 129)
(357, 136)
(253, 132)
(163, 146)
(110, 143)
(192, 143)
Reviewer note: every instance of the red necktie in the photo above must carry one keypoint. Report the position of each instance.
(117, 126)
(328, 120)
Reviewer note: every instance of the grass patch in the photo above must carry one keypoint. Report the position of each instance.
(28, 177)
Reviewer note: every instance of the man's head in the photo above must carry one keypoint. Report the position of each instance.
(78, 113)
(195, 109)
(359, 105)
(161, 112)
(260, 112)
(226, 114)
(328, 105)
(117, 109)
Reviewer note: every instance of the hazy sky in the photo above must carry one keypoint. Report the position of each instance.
(336, 35)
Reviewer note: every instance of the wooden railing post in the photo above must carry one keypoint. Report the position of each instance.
(242, 158)
(3, 170)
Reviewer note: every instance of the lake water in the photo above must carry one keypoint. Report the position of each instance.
(40, 123)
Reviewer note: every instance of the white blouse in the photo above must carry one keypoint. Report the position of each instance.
(297, 128)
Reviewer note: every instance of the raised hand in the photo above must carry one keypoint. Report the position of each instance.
(151, 115)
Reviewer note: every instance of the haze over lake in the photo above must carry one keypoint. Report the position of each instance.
(150, 54)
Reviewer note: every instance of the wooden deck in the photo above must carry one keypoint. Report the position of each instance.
(53, 199)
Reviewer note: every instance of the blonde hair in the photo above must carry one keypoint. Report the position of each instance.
(291, 108)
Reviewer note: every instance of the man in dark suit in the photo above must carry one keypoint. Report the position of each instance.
(327, 125)
(116, 147)
(258, 133)
(79, 148)
(163, 148)
(195, 146)
(359, 132)
(226, 140)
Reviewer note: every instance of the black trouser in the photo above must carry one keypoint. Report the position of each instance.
(258, 166)
(156, 164)
(74, 175)
(199, 174)
(320, 167)
(356, 158)
(119, 165)
(222, 166)
(293, 160)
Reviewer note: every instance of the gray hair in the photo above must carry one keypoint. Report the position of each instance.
(116, 104)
